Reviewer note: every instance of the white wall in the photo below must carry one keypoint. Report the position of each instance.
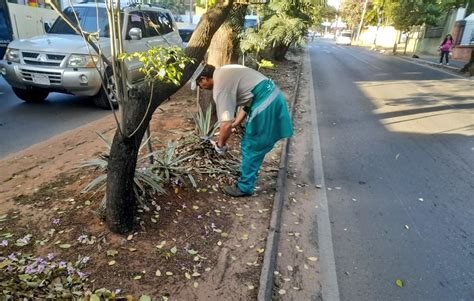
(468, 34)
(28, 21)
(386, 36)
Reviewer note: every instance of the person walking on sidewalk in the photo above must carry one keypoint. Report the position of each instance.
(445, 48)
(265, 108)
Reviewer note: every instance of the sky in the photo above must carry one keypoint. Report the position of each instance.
(334, 3)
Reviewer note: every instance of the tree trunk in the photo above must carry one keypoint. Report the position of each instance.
(279, 51)
(224, 49)
(397, 39)
(470, 65)
(121, 202)
(406, 43)
(222, 46)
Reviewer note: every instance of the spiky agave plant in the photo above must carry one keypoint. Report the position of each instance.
(203, 120)
(145, 181)
(169, 165)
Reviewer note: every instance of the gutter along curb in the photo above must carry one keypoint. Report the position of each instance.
(271, 248)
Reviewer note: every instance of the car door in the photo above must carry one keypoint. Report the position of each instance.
(134, 19)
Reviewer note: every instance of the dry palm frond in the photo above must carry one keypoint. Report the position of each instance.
(145, 181)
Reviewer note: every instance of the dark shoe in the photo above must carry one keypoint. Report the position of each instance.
(235, 191)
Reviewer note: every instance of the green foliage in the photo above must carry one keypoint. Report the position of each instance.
(202, 3)
(404, 14)
(351, 12)
(253, 41)
(178, 7)
(265, 64)
(409, 13)
(284, 30)
(164, 64)
(204, 129)
(287, 22)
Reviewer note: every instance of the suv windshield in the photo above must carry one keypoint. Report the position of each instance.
(346, 34)
(91, 19)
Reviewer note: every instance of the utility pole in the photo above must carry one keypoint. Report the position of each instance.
(362, 19)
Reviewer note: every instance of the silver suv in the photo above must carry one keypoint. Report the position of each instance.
(60, 61)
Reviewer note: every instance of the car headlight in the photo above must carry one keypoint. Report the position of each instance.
(82, 60)
(12, 55)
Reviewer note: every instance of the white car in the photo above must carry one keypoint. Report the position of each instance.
(60, 61)
(345, 38)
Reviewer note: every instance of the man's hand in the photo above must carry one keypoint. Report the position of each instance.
(220, 150)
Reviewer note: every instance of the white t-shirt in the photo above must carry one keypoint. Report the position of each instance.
(233, 85)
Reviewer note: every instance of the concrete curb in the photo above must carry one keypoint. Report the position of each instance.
(419, 60)
(271, 248)
(426, 62)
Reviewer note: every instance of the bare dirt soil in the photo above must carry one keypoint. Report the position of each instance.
(190, 244)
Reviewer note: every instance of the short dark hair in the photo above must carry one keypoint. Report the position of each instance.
(208, 71)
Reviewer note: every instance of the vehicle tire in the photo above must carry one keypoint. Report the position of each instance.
(31, 95)
(101, 100)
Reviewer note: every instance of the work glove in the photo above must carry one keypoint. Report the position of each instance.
(219, 150)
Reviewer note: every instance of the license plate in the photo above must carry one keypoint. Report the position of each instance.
(41, 79)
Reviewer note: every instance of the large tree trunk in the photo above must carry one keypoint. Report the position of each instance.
(279, 51)
(121, 203)
(470, 65)
(222, 46)
(224, 49)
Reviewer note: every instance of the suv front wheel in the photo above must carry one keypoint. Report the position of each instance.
(107, 92)
(31, 95)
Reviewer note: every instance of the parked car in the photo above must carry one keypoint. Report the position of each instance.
(345, 38)
(60, 61)
(186, 31)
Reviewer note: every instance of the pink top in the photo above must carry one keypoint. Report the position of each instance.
(447, 46)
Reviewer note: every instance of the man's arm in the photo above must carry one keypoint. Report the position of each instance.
(225, 130)
(240, 117)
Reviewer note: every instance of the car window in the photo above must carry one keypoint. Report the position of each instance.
(157, 23)
(4, 30)
(186, 34)
(135, 20)
(166, 22)
(153, 25)
(90, 19)
(346, 34)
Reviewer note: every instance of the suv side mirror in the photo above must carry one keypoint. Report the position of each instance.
(47, 27)
(135, 33)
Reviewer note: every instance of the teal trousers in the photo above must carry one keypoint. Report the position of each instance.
(268, 121)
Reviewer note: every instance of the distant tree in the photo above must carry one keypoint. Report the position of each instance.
(351, 11)
(287, 23)
(178, 7)
(202, 3)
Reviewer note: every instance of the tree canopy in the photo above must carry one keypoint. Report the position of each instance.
(178, 7)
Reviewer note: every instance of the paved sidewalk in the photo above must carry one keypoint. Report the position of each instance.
(432, 59)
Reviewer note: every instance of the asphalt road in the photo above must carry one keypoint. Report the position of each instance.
(397, 145)
(24, 124)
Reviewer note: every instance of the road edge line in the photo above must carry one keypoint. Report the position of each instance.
(424, 63)
(329, 284)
